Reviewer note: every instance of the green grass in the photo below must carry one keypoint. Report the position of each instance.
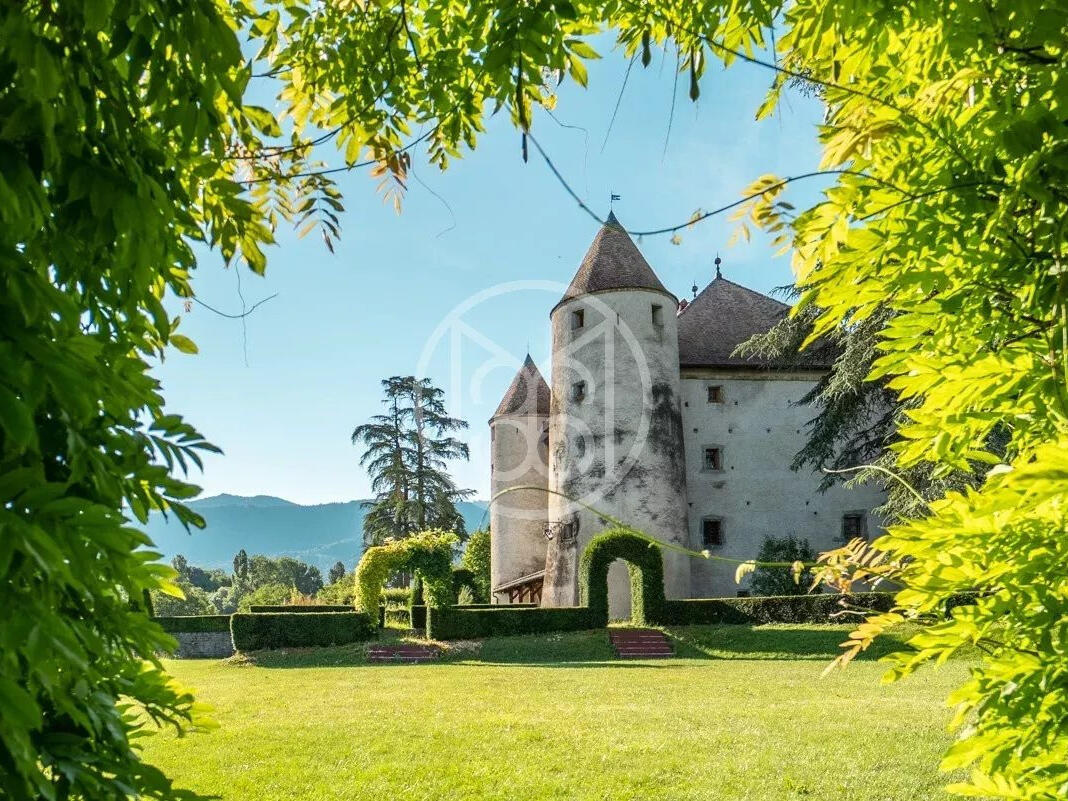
(744, 714)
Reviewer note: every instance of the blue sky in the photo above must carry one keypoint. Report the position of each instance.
(344, 321)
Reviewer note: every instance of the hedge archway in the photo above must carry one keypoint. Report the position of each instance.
(428, 555)
(645, 564)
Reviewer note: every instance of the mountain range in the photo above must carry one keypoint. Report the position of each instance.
(319, 535)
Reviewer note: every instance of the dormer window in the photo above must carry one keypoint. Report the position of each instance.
(578, 391)
(578, 319)
(658, 314)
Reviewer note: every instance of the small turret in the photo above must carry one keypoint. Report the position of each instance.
(519, 458)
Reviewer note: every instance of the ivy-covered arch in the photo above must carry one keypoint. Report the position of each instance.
(427, 554)
(644, 563)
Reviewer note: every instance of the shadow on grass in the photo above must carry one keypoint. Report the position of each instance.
(592, 649)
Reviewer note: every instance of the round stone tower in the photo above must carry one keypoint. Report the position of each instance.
(519, 458)
(615, 428)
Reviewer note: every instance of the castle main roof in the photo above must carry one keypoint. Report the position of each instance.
(613, 262)
(721, 318)
(528, 393)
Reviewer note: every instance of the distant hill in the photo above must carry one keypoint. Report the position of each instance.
(319, 535)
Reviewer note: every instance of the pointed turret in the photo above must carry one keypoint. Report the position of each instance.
(613, 262)
(528, 393)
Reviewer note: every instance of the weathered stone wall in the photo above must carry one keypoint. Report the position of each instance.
(519, 456)
(620, 449)
(203, 644)
(759, 428)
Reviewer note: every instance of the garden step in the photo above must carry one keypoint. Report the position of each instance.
(640, 644)
(402, 653)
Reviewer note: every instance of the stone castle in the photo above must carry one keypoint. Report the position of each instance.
(650, 418)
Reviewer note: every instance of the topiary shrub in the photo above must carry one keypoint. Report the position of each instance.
(192, 624)
(254, 632)
(427, 554)
(644, 563)
(815, 608)
(299, 608)
(464, 623)
(462, 577)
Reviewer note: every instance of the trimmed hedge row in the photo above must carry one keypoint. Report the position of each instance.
(459, 623)
(194, 624)
(256, 631)
(300, 608)
(770, 609)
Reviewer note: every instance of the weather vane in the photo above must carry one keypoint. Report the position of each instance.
(612, 198)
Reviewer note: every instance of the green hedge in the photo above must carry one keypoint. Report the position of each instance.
(772, 609)
(299, 608)
(646, 567)
(194, 624)
(458, 623)
(256, 631)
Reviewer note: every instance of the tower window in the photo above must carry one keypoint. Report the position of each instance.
(715, 394)
(713, 459)
(658, 314)
(580, 446)
(711, 532)
(578, 391)
(853, 526)
(578, 319)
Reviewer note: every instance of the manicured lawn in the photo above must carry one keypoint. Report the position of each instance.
(743, 715)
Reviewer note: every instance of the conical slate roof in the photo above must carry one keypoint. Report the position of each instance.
(721, 318)
(528, 394)
(613, 262)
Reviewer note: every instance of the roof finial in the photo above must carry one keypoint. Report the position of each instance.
(717, 262)
(694, 289)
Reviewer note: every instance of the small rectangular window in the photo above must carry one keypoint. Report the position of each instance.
(580, 446)
(578, 391)
(712, 533)
(715, 394)
(713, 459)
(578, 319)
(853, 526)
(658, 314)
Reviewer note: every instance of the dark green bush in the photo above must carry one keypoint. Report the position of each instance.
(253, 632)
(459, 623)
(299, 608)
(397, 596)
(417, 616)
(462, 577)
(194, 623)
(644, 563)
(818, 608)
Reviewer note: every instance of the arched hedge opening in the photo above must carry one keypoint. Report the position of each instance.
(645, 564)
(427, 554)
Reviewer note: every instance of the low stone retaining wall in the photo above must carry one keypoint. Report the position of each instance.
(203, 644)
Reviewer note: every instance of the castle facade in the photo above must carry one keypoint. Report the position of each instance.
(649, 418)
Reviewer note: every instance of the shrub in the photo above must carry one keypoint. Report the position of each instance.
(254, 632)
(342, 591)
(780, 580)
(272, 594)
(194, 623)
(476, 559)
(427, 554)
(644, 563)
(397, 596)
(196, 602)
(462, 578)
(453, 623)
(299, 608)
(818, 608)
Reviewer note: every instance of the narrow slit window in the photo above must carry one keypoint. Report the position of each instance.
(713, 459)
(578, 319)
(578, 391)
(580, 446)
(715, 394)
(711, 533)
(658, 314)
